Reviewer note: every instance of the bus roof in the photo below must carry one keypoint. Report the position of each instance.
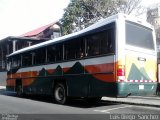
(100, 23)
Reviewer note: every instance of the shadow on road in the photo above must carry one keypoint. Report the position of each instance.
(84, 104)
(81, 103)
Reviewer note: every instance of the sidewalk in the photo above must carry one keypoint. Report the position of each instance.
(2, 89)
(137, 100)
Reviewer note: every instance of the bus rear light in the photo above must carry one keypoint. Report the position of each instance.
(121, 70)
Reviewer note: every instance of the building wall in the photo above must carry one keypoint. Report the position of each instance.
(7, 46)
(153, 17)
(3, 77)
(11, 44)
(46, 32)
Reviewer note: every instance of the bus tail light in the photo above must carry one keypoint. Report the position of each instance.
(121, 70)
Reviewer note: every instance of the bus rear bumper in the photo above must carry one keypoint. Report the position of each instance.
(125, 89)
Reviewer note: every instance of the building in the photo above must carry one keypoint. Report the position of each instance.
(9, 45)
(49, 31)
(12, 43)
(153, 17)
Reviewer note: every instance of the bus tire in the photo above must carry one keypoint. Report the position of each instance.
(60, 95)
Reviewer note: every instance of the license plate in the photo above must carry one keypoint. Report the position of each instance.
(141, 87)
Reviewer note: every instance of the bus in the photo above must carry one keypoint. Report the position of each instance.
(114, 57)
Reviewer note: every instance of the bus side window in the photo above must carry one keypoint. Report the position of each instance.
(55, 53)
(74, 49)
(111, 40)
(51, 53)
(80, 44)
(107, 44)
(59, 52)
(100, 43)
(70, 48)
(9, 63)
(16, 61)
(40, 56)
(26, 59)
(94, 44)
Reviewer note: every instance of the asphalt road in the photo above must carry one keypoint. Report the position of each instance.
(42, 107)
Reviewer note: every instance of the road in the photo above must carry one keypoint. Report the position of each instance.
(10, 104)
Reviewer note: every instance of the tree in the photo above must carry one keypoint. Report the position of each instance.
(82, 13)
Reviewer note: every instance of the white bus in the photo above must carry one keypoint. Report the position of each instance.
(113, 57)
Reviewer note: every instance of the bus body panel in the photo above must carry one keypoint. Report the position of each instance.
(140, 73)
(137, 60)
(88, 77)
(112, 73)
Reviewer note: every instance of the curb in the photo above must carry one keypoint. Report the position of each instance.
(2, 87)
(132, 101)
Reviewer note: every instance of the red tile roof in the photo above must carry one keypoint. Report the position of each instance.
(37, 31)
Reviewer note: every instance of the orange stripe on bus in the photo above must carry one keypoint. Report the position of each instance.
(27, 81)
(11, 82)
(50, 71)
(99, 68)
(109, 67)
(105, 77)
(34, 73)
(65, 69)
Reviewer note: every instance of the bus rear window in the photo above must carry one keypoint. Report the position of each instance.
(139, 36)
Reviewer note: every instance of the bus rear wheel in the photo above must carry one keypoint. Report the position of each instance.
(60, 94)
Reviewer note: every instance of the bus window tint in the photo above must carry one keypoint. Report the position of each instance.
(39, 56)
(51, 53)
(59, 52)
(74, 49)
(55, 53)
(9, 64)
(100, 43)
(140, 36)
(79, 48)
(16, 61)
(26, 59)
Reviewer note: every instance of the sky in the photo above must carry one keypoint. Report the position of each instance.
(150, 2)
(20, 16)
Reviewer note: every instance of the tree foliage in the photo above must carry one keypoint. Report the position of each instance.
(82, 13)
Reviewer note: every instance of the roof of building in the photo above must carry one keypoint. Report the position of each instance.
(22, 38)
(38, 30)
